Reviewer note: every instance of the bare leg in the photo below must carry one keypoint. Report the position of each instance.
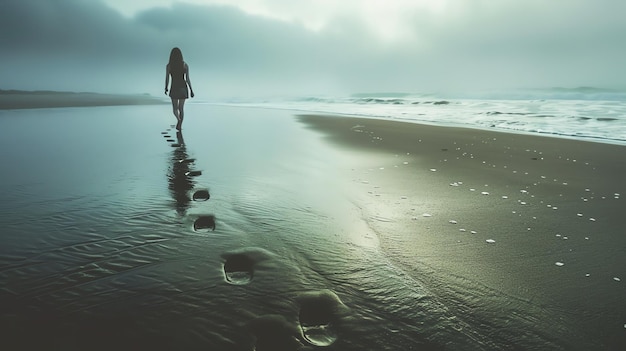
(181, 111)
(175, 108)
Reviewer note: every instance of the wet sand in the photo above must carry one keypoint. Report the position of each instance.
(483, 217)
(260, 229)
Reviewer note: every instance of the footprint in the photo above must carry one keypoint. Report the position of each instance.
(201, 195)
(320, 312)
(204, 223)
(238, 269)
(240, 265)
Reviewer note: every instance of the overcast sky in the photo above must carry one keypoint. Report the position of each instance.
(265, 47)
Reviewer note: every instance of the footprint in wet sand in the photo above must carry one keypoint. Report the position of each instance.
(238, 269)
(201, 195)
(204, 223)
(320, 314)
(274, 332)
(239, 265)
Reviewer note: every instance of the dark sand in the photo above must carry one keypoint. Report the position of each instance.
(17, 99)
(260, 230)
(552, 210)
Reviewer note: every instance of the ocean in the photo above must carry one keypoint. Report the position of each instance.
(585, 113)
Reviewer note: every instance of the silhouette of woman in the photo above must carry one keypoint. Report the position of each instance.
(179, 71)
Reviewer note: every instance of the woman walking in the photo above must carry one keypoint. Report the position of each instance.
(179, 71)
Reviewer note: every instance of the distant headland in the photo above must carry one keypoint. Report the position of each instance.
(24, 99)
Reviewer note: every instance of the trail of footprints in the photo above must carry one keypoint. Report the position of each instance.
(321, 313)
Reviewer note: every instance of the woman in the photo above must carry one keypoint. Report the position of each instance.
(179, 71)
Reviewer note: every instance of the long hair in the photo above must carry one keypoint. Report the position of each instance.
(176, 60)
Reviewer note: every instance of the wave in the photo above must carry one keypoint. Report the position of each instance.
(587, 113)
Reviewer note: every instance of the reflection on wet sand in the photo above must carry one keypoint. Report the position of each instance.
(180, 180)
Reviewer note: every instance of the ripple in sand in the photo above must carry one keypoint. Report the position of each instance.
(490, 241)
(427, 215)
(320, 312)
(452, 221)
(274, 332)
(204, 223)
(433, 170)
(559, 264)
(201, 195)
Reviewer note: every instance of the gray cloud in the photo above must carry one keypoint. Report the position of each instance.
(85, 45)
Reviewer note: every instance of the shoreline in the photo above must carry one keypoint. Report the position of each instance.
(299, 111)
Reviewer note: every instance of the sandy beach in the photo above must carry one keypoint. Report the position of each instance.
(491, 217)
(260, 229)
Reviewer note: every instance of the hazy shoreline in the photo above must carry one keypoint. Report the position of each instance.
(21, 99)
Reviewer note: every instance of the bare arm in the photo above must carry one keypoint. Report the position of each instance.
(167, 77)
(188, 79)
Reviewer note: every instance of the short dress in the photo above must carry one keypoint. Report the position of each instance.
(178, 89)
